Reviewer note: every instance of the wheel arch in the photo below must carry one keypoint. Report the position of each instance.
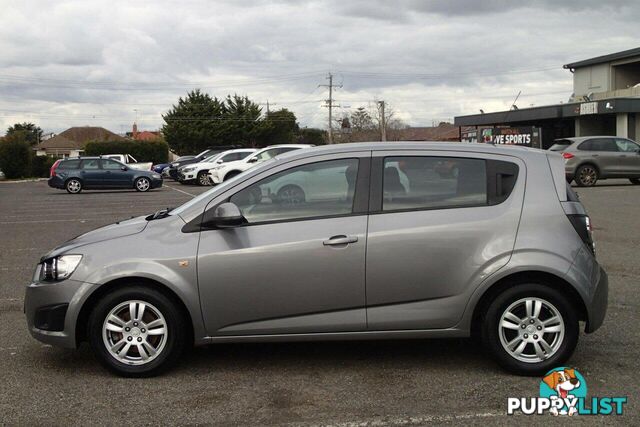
(589, 163)
(231, 172)
(519, 278)
(106, 288)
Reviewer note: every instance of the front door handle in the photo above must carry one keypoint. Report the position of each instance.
(340, 240)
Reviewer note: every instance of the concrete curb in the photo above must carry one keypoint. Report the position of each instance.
(16, 181)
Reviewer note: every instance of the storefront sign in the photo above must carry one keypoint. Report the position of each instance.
(588, 108)
(523, 136)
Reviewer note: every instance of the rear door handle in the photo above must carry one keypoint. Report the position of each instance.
(340, 240)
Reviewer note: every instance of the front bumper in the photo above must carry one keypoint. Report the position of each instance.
(188, 176)
(598, 307)
(214, 177)
(43, 306)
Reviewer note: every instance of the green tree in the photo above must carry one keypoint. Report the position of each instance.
(279, 127)
(361, 120)
(32, 133)
(241, 123)
(195, 123)
(15, 155)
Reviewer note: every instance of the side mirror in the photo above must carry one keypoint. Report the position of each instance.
(219, 161)
(252, 160)
(124, 168)
(226, 215)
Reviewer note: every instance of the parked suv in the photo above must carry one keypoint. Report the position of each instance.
(199, 172)
(588, 159)
(377, 244)
(77, 174)
(172, 170)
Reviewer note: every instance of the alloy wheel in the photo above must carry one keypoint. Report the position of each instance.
(203, 179)
(134, 332)
(531, 330)
(143, 184)
(74, 186)
(588, 176)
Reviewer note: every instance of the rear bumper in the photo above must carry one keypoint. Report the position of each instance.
(55, 182)
(156, 183)
(598, 308)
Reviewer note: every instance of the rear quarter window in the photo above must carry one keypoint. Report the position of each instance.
(69, 164)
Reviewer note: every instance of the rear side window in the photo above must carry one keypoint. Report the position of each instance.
(90, 164)
(598, 144)
(69, 164)
(433, 182)
(417, 182)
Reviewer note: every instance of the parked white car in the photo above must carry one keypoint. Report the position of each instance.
(199, 172)
(130, 161)
(226, 171)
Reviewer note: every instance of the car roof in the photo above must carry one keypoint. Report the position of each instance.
(583, 138)
(418, 145)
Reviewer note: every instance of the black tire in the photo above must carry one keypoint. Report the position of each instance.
(586, 176)
(176, 326)
(203, 178)
(142, 184)
(635, 181)
(73, 186)
(491, 331)
(291, 195)
(230, 175)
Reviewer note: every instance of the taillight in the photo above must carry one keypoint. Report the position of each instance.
(52, 171)
(582, 225)
(567, 156)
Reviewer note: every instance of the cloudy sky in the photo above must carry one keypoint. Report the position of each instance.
(104, 63)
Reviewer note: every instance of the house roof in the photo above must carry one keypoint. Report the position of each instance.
(146, 135)
(77, 137)
(442, 132)
(604, 58)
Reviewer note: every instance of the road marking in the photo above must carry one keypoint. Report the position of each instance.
(44, 221)
(181, 191)
(408, 421)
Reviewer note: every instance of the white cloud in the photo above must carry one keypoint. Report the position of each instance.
(68, 63)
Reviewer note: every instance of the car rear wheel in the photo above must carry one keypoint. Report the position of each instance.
(143, 184)
(203, 178)
(635, 181)
(73, 186)
(137, 332)
(586, 176)
(530, 329)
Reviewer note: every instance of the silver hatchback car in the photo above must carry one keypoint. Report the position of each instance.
(354, 241)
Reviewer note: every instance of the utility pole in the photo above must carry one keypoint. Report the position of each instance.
(330, 105)
(383, 122)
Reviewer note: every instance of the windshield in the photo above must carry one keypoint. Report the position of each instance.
(203, 153)
(212, 159)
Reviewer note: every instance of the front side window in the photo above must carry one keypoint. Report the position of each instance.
(309, 191)
(110, 165)
(91, 164)
(627, 146)
(433, 183)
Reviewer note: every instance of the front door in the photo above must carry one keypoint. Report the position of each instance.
(114, 176)
(629, 156)
(298, 264)
(434, 233)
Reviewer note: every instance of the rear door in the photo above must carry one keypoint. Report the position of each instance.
(441, 222)
(91, 174)
(297, 265)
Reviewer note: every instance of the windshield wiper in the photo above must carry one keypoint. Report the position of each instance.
(162, 213)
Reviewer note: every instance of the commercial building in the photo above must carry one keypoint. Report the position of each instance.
(605, 101)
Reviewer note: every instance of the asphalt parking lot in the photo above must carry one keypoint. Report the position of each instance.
(339, 383)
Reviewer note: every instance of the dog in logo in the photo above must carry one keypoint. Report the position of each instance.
(562, 382)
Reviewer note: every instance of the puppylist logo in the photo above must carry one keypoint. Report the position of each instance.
(563, 391)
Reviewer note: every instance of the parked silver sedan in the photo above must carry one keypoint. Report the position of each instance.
(589, 159)
(354, 241)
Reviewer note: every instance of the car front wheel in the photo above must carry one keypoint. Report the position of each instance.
(137, 332)
(203, 178)
(530, 329)
(143, 184)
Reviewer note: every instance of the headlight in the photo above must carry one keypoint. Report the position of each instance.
(60, 267)
(188, 169)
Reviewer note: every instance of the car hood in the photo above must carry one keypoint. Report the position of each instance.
(112, 231)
